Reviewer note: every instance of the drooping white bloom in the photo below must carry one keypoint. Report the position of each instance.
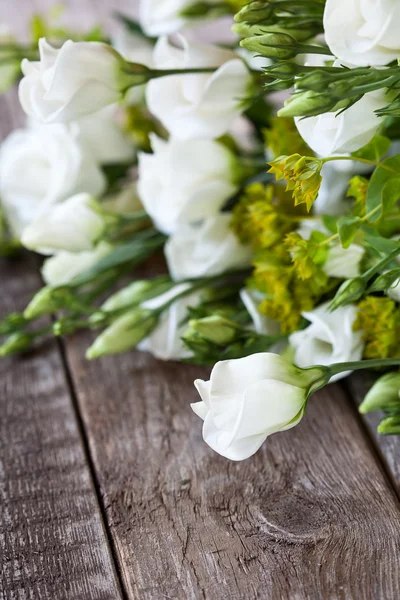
(363, 32)
(72, 225)
(199, 105)
(40, 167)
(103, 137)
(328, 339)
(343, 263)
(332, 133)
(206, 249)
(78, 79)
(248, 399)
(165, 342)
(61, 268)
(185, 181)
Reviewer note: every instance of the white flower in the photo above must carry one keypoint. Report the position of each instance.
(72, 225)
(394, 291)
(340, 262)
(185, 181)
(344, 262)
(103, 137)
(165, 341)
(40, 167)
(262, 324)
(203, 105)
(331, 199)
(248, 399)
(332, 133)
(206, 249)
(61, 268)
(78, 79)
(328, 339)
(363, 32)
(158, 17)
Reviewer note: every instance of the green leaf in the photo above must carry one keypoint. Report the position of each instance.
(375, 149)
(347, 228)
(390, 194)
(389, 169)
(330, 222)
(379, 243)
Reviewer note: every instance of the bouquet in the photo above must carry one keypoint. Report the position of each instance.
(265, 169)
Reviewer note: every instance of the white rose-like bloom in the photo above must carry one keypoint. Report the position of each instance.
(72, 226)
(185, 181)
(340, 262)
(61, 268)
(328, 339)
(165, 342)
(40, 167)
(248, 399)
(78, 79)
(206, 249)
(199, 105)
(332, 133)
(363, 32)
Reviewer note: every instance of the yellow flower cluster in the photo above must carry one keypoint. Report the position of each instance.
(379, 320)
(302, 175)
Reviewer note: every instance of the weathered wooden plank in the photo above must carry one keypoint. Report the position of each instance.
(387, 446)
(52, 542)
(310, 516)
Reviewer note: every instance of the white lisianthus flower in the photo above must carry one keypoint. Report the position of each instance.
(206, 249)
(332, 133)
(78, 79)
(158, 17)
(331, 199)
(363, 32)
(103, 137)
(343, 263)
(328, 339)
(72, 225)
(185, 181)
(248, 399)
(61, 268)
(165, 342)
(262, 324)
(199, 105)
(40, 167)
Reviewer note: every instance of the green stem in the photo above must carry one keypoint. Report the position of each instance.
(380, 265)
(362, 160)
(364, 364)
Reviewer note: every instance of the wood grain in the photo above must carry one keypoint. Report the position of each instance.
(310, 516)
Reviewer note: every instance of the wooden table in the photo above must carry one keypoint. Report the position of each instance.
(107, 491)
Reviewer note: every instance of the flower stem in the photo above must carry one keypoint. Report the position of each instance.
(364, 364)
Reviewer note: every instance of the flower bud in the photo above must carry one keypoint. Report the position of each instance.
(16, 343)
(214, 329)
(272, 45)
(136, 292)
(350, 291)
(125, 333)
(390, 425)
(254, 12)
(302, 104)
(46, 302)
(384, 394)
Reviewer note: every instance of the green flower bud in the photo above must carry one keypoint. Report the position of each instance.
(42, 303)
(390, 425)
(272, 45)
(302, 104)
(384, 394)
(16, 343)
(214, 329)
(350, 291)
(125, 333)
(254, 12)
(136, 292)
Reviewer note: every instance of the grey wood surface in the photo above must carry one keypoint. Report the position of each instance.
(312, 516)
